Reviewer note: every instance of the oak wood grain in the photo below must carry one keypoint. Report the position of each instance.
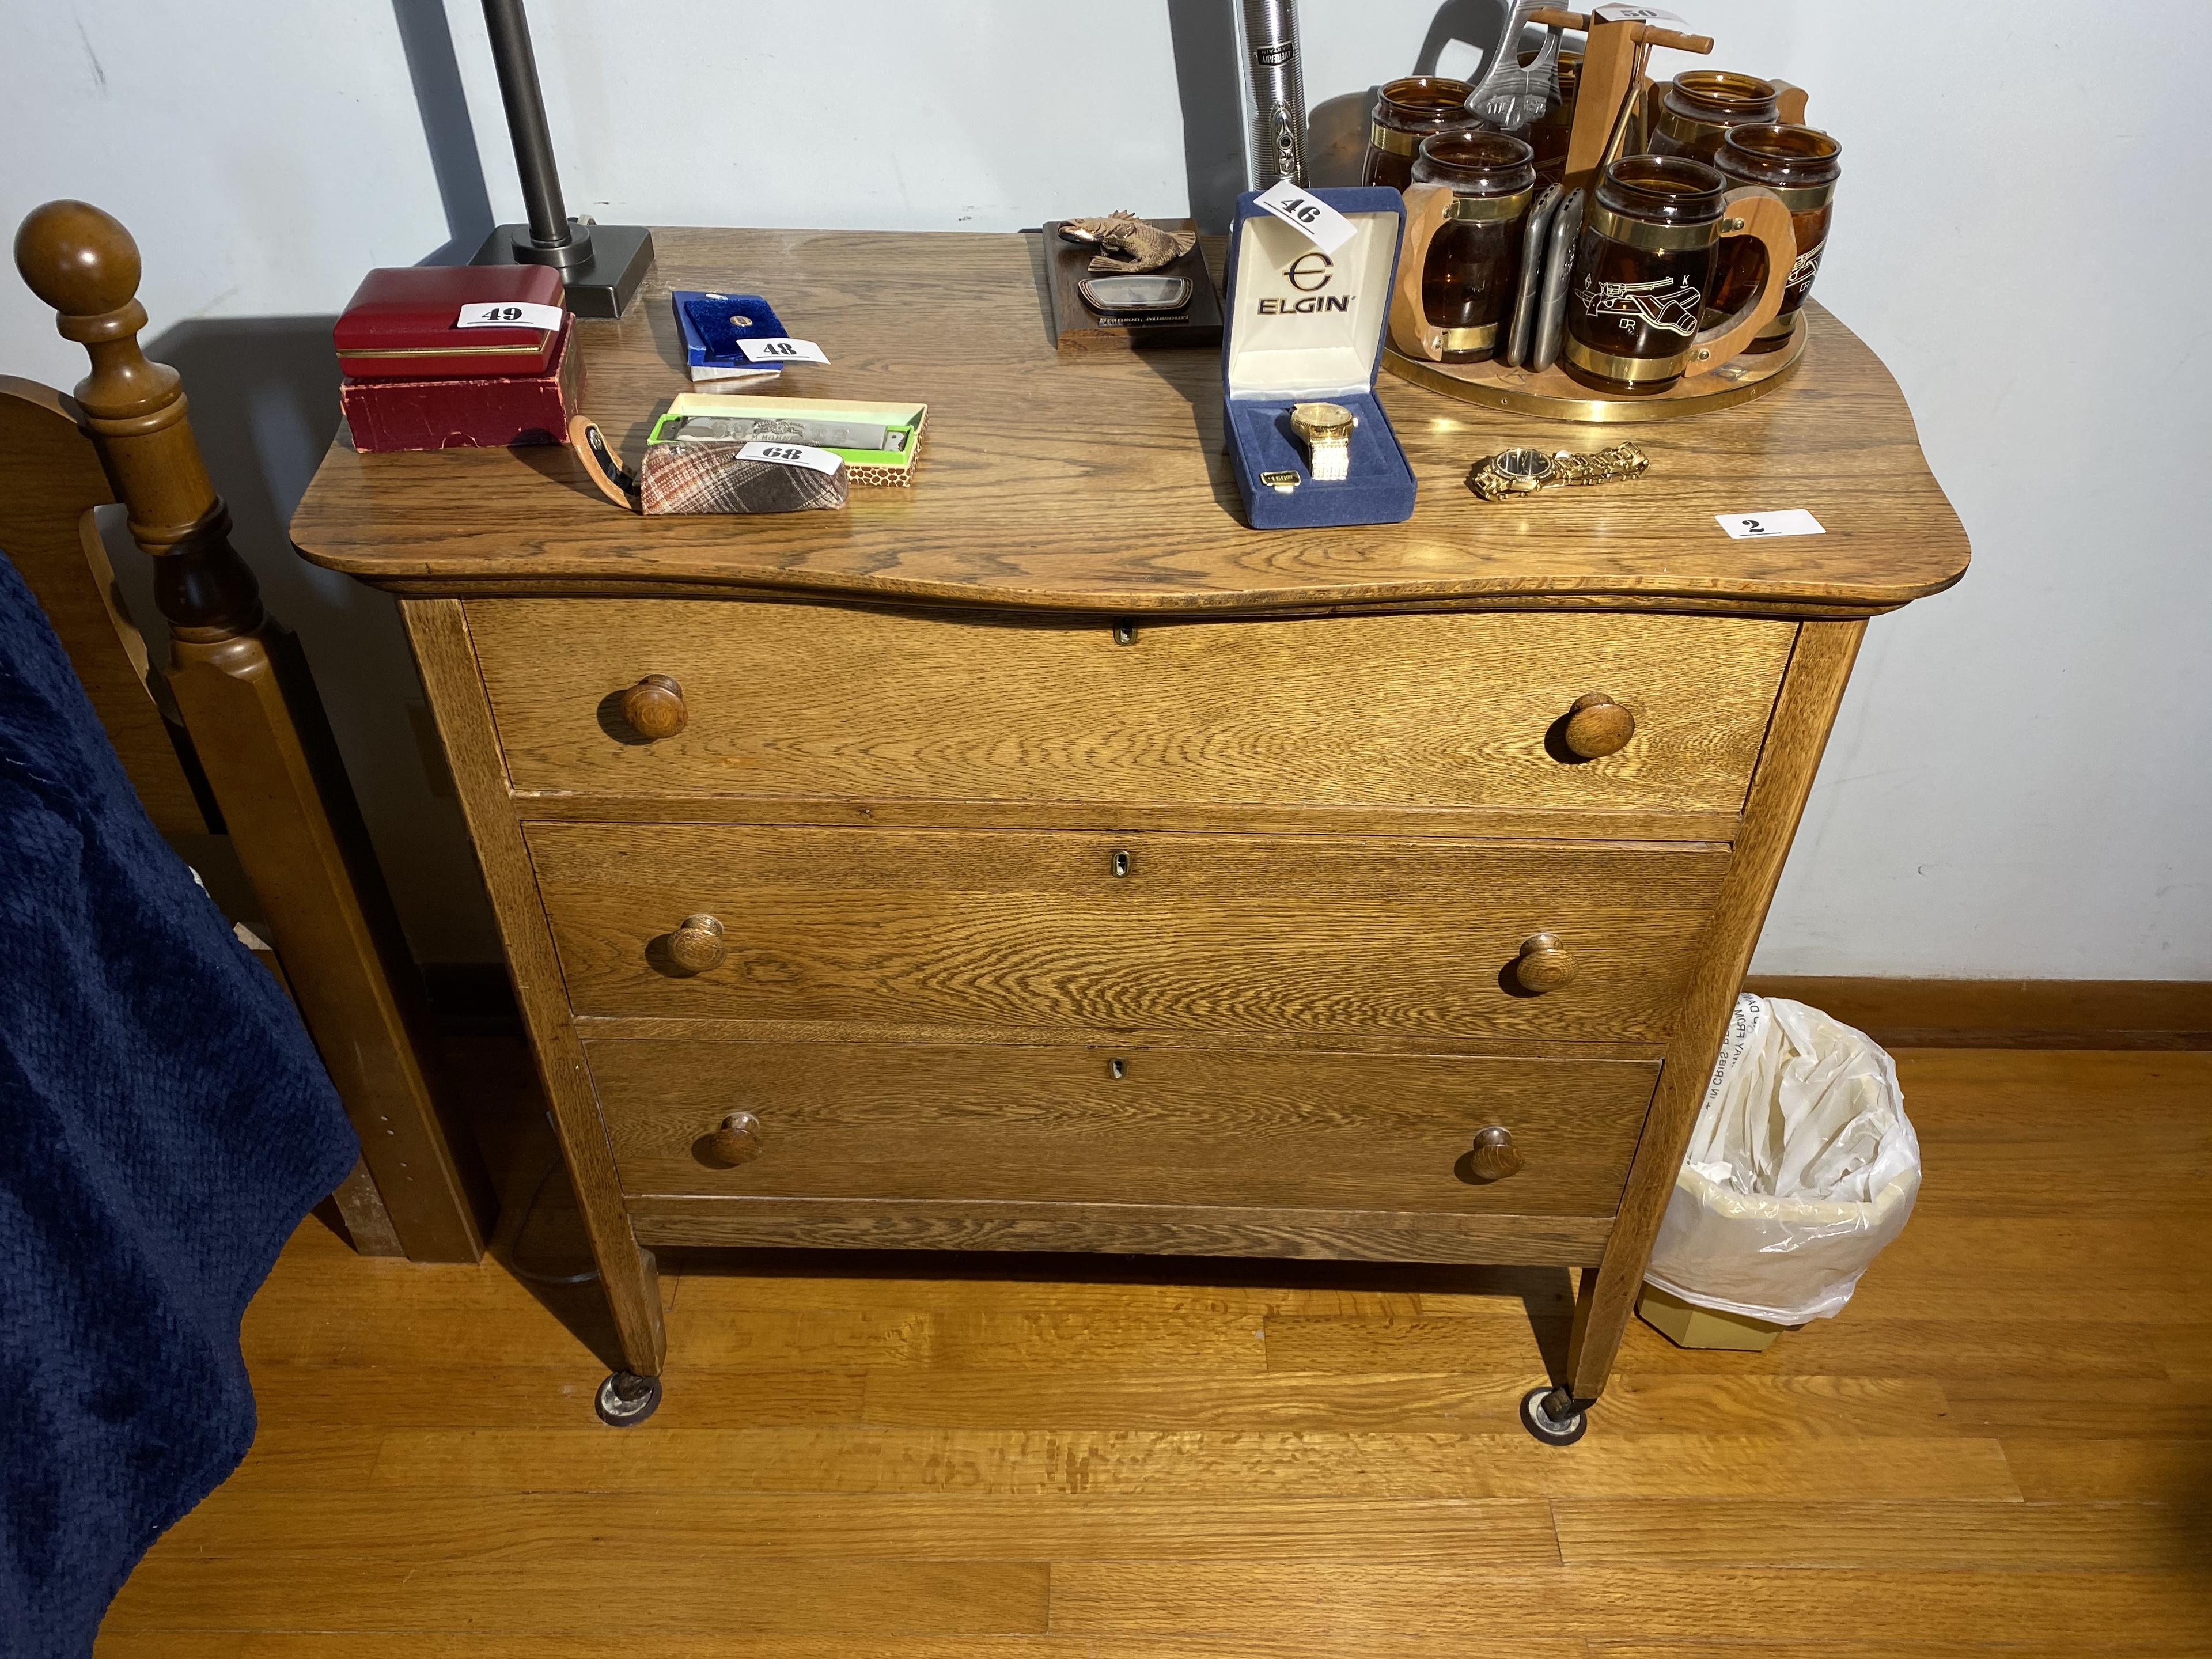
(1102, 486)
(1419, 711)
(1178, 1126)
(1144, 1229)
(1216, 934)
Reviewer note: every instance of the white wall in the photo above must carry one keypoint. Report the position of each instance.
(2018, 786)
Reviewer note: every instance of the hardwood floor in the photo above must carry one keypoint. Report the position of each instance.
(2003, 1445)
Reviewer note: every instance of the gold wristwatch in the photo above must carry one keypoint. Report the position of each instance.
(1524, 471)
(1326, 429)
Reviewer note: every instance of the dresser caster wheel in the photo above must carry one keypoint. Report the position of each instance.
(626, 1398)
(1553, 1417)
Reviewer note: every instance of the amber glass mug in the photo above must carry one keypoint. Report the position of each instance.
(1644, 265)
(1693, 114)
(1801, 166)
(1459, 267)
(1409, 111)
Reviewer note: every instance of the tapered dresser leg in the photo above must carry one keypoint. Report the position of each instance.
(439, 632)
(1819, 666)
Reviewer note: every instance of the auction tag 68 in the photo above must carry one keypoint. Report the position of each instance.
(781, 350)
(792, 455)
(1307, 214)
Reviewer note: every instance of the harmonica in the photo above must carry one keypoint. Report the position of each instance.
(748, 429)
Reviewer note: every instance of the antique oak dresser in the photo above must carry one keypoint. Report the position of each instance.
(1038, 858)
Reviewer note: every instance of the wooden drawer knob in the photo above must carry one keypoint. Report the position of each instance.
(1544, 963)
(654, 707)
(1598, 726)
(697, 945)
(738, 1140)
(1495, 1157)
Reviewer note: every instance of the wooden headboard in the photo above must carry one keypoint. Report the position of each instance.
(51, 480)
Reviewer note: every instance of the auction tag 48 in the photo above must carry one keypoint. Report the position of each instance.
(509, 313)
(1307, 214)
(782, 351)
(792, 455)
(1796, 521)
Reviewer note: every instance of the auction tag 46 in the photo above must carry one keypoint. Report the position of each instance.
(1796, 521)
(1307, 214)
(792, 455)
(782, 351)
(509, 313)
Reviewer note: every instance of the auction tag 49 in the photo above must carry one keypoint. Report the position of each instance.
(1307, 214)
(1796, 521)
(792, 455)
(782, 351)
(509, 313)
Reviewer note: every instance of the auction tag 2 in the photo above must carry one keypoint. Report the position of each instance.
(1307, 214)
(508, 313)
(1796, 521)
(781, 350)
(792, 455)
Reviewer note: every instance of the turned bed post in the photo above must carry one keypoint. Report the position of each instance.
(243, 689)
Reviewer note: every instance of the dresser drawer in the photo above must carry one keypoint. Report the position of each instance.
(1216, 934)
(1434, 711)
(1105, 1125)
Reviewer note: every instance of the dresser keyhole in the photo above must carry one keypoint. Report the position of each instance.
(1125, 633)
(1120, 862)
(1118, 1067)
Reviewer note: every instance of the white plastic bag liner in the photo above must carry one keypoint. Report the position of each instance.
(1801, 1169)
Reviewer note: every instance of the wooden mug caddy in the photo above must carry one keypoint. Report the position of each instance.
(1614, 88)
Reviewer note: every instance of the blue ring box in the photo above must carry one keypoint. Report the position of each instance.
(1305, 326)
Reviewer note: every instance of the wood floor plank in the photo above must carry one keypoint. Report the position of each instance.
(547, 1534)
(1792, 1408)
(640, 1596)
(790, 1340)
(2176, 1472)
(1325, 1599)
(1640, 1533)
(489, 1397)
(1174, 1464)
(2094, 1264)
(2082, 1408)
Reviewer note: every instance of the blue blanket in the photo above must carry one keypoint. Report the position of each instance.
(164, 1125)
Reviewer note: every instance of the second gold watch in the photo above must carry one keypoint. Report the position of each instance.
(1326, 431)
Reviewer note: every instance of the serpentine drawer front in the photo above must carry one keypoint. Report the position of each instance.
(1159, 932)
(693, 697)
(1098, 1124)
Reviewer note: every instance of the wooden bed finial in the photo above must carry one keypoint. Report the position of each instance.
(84, 263)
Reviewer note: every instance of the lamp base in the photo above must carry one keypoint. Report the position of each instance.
(607, 279)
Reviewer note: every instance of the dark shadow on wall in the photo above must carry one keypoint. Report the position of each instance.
(427, 38)
(1209, 85)
(263, 395)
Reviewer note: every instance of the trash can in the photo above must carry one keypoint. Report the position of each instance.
(1801, 1169)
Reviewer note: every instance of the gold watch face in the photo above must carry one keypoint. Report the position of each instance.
(1523, 469)
(1326, 421)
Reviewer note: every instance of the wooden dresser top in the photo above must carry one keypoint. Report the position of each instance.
(1100, 485)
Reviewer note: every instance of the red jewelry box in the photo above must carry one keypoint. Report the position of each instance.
(400, 323)
(489, 413)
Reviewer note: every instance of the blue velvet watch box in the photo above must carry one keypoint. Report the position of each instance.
(712, 324)
(1305, 327)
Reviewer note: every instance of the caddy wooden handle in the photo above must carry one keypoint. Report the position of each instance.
(654, 707)
(1552, 17)
(696, 945)
(1495, 1157)
(1544, 963)
(1598, 727)
(737, 1140)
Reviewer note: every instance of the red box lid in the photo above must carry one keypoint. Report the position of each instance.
(402, 323)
